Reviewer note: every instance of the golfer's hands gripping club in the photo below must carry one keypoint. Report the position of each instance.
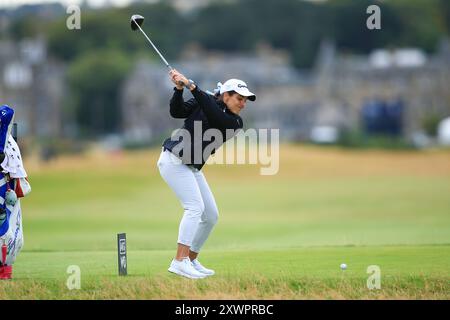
(178, 79)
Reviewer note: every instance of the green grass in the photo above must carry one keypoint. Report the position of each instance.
(406, 272)
(278, 237)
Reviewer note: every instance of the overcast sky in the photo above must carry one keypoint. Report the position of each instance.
(93, 3)
(15, 3)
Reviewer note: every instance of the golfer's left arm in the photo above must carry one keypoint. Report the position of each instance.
(214, 114)
(180, 108)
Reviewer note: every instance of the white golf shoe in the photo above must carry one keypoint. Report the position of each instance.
(198, 266)
(185, 268)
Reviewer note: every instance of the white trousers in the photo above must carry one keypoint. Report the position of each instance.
(200, 209)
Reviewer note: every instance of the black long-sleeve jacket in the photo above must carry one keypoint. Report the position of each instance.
(206, 110)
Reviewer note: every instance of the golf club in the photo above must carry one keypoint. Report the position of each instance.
(136, 22)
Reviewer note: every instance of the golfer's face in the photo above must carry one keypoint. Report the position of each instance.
(235, 102)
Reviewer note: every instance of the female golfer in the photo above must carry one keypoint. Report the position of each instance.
(184, 155)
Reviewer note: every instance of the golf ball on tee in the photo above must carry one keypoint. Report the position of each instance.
(343, 266)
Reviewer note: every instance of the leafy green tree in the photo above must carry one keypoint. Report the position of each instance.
(444, 8)
(95, 78)
(100, 56)
(110, 29)
(420, 23)
(101, 53)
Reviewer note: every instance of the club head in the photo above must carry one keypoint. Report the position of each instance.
(135, 21)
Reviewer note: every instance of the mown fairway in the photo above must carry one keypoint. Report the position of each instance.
(278, 237)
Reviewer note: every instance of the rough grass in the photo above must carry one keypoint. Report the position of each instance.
(139, 288)
(407, 272)
(278, 237)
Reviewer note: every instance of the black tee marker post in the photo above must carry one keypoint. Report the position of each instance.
(122, 253)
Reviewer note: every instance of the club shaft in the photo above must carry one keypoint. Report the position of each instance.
(154, 47)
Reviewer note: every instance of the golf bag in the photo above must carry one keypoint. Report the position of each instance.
(13, 186)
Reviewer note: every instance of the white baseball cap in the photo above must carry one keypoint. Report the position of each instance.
(239, 86)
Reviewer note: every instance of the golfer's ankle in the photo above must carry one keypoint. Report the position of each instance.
(181, 258)
(193, 255)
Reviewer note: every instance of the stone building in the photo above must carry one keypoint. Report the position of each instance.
(285, 97)
(34, 86)
(347, 83)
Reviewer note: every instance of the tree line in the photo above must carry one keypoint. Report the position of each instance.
(101, 54)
